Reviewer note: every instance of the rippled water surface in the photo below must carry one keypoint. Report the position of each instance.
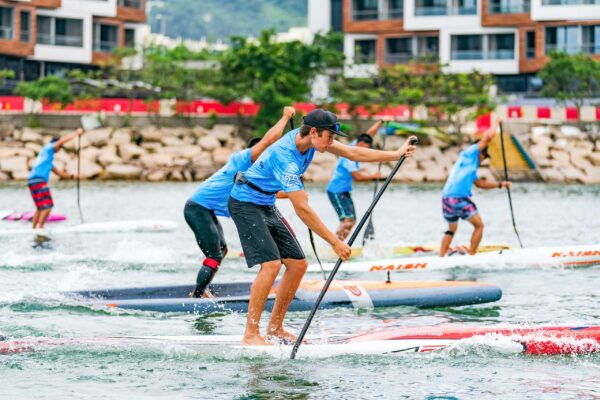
(30, 305)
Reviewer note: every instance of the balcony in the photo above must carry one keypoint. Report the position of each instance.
(60, 40)
(569, 2)
(586, 48)
(462, 55)
(137, 4)
(105, 46)
(509, 7)
(437, 11)
(373, 11)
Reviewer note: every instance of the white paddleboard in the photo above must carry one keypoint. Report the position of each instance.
(102, 227)
(5, 213)
(565, 256)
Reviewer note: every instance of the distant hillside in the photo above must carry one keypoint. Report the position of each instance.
(220, 19)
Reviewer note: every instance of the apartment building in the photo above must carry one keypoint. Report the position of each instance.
(510, 39)
(42, 37)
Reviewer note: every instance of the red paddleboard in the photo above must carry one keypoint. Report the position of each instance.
(28, 216)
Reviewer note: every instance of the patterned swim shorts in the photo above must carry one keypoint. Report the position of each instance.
(458, 207)
(40, 193)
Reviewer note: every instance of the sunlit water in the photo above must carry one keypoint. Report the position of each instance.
(30, 306)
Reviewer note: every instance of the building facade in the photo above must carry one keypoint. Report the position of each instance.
(42, 37)
(510, 39)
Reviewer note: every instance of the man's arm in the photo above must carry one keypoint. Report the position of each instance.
(488, 136)
(361, 177)
(299, 200)
(363, 154)
(58, 144)
(62, 174)
(485, 184)
(272, 134)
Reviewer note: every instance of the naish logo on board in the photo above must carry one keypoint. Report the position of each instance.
(398, 267)
(581, 253)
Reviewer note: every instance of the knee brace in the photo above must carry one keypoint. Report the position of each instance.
(449, 233)
(211, 263)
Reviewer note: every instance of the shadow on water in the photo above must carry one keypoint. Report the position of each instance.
(209, 323)
(270, 381)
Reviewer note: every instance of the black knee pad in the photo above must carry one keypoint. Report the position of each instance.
(449, 233)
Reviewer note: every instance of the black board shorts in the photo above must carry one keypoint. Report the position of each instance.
(264, 233)
(207, 230)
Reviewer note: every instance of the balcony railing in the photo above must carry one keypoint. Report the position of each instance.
(436, 11)
(514, 7)
(587, 48)
(6, 32)
(398, 58)
(461, 55)
(139, 4)
(569, 2)
(105, 47)
(369, 15)
(60, 40)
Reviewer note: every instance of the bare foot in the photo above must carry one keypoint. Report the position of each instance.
(255, 340)
(282, 335)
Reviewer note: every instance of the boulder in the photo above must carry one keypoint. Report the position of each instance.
(224, 132)
(156, 176)
(199, 131)
(87, 170)
(188, 152)
(181, 162)
(152, 134)
(123, 171)
(14, 164)
(4, 177)
(7, 152)
(152, 161)
(172, 141)
(595, 158)
(176, 176)
(36, 147)
(29, 135)
(72, 145)
(106, 158)
(325, 159)
(130, 152)
(539, 152)
(120, 136)
(592, 175)
(221, 155)
(20, 175)
(177, 132)
(560, 157)
(98, 137)
(572, 174)
(209, 143)
(486, 174)
(411, 175)
(542, 140)
(201, 173)
(90, 154)
(584, 144)
(152, 147)
(552, 175)
(203, 160)
(435, 173)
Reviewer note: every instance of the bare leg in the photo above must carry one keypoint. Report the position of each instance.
(477, 233)
(258, 297)
(35, 219)
(286, 290)
(43, 217)
(447, 239)
(345, 227)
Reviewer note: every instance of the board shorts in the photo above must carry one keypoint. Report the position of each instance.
(207, 230)
(343, 205)
(264, 233)
(458, 207)
(40, 193)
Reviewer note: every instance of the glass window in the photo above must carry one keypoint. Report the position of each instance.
(6, 23)
(68, 32)
(431, 7)
(395, 9)
(530, 44)
(590, 39)
(25, 26)
(501, 46)
(365, 51)
(467, 47)
(336, 15)
(106, 37)
(365, 10)
(399, 50)
(130, 38)
(428, 47)
(44, 30)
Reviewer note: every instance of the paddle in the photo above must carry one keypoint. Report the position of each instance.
(353, 237)
(370, 229)
(88, 122)
(512, 214)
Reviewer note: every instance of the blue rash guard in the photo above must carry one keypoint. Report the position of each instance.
(463, 174)
(213, 193)
(280, 167)
(43, 163)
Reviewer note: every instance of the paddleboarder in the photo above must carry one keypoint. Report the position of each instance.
(40, 174)
(210, 201)
(456, 197)
(340, 186)
(267, 239)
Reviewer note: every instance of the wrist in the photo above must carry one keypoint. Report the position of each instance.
(500, 185)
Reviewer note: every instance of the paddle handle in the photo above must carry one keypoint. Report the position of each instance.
(353, 237)
(510, 205)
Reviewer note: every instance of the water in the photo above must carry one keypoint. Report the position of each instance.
(30, 306)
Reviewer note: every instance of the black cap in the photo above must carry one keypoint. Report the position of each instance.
(323, 119)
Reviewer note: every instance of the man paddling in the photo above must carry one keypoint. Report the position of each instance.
(210, 201)
(456, 197)
(340, 186)
(40, 174)
(267, 239)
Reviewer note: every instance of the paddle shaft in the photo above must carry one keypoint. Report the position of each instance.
(78, 178)
(370, 229)
(512, 214)
(353, 237)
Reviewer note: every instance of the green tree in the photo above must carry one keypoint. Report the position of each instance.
(51, 89)
(571, 77)
(6, 74)
(273, 74)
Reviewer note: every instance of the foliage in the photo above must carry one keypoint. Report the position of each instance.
(571, 77)
(6, 74)
(211, 19)
(49, 89)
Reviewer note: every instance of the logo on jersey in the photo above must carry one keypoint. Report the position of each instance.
(291, 180)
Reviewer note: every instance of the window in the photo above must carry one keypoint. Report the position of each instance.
(6, 23)
(428, 48)
(508, 6)
(25, 26)
(399, 50)
(591, 39)
(60, 31)
(530, 44)
(568, 2)
(365, 10)
(467, 47)
(336, 15)
(131, 4)
(501, 46)
(365, 51)
(106, 38)
(431, 7)
(129, 38)
(563, 38)
(395, 9)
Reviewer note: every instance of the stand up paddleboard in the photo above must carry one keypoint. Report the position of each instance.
(28, 216)
(569, 256)
(539, 340)
(235, 296)
(101, 227)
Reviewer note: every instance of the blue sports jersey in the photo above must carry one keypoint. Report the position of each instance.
(341, 181)
(463, 173)
(213, 193)
(43, 163)
(280, 167)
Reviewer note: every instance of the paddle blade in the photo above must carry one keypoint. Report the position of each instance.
(90, 122)
(369, 232)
